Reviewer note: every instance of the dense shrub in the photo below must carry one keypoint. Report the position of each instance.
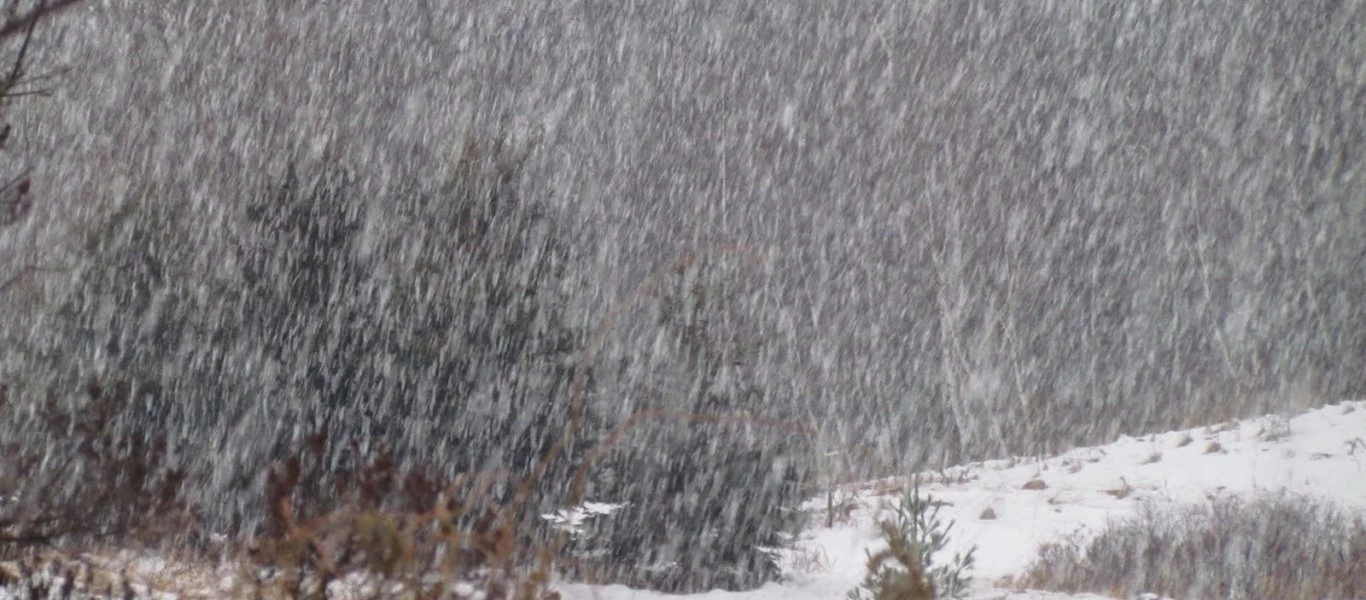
(75, 479)
(438, 341)
(440, 330)
(69, 472)
(708, 482)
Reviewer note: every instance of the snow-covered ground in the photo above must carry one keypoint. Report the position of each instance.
(1007, 509)
(1321, 453)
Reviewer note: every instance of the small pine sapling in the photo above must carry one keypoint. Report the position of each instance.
(905, 570)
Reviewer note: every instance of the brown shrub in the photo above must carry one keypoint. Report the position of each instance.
(407, 531)
(94, 482)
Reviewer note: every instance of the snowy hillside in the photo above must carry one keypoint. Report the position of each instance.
(1321, 454)
(1007, 509)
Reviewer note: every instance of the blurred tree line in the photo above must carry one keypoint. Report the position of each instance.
(433, 321)
(987, 229)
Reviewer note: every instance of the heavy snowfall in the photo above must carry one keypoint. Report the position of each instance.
(634, 298)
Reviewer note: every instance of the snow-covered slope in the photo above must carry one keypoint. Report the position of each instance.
(1321, 453)
(1007, 509)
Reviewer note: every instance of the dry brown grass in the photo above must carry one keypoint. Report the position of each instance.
(410, 533)
(841, 504)
(1267, 548)
(1273, 428)
(810, 559)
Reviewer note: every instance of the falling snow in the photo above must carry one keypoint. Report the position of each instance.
(730, 254)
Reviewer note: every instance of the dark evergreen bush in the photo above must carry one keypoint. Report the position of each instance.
(708, 485)
(432, 318)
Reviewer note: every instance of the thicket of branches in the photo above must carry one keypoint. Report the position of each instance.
(66, 475)
(371, 382)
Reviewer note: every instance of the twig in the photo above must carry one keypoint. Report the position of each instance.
(26, 271)
(27, 21)
(17, 70)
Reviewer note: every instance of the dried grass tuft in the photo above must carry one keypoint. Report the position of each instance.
(1274, 547)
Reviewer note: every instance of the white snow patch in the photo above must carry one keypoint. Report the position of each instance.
(1319, 454)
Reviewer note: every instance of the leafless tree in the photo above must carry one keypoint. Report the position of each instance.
(16, 201)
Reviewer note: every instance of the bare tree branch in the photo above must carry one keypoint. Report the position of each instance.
(15, 25)
(25, 272)
(15, 201)
(17, 70)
